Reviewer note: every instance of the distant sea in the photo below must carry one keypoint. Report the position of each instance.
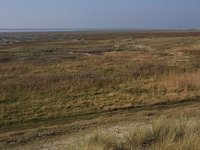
(91, 29)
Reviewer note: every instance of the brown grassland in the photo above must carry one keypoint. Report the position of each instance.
(75, 81)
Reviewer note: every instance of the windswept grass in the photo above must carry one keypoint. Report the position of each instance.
(164, 133)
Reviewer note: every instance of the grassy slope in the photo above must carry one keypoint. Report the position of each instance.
(55, 81)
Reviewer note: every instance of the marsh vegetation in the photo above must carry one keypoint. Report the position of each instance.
(82, 76)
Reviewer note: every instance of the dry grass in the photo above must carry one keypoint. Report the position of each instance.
(189, 50)
(164, 133)
(59, 80)
(184, 82)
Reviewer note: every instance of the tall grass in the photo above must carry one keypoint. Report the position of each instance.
(164, 133)
(189, 81)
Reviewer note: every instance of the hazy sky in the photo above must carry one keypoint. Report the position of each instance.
(100, 14)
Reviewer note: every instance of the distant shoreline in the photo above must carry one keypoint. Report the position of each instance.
(38, 30)
(95, 30)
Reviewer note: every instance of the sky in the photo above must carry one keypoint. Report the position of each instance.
(100, 14)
